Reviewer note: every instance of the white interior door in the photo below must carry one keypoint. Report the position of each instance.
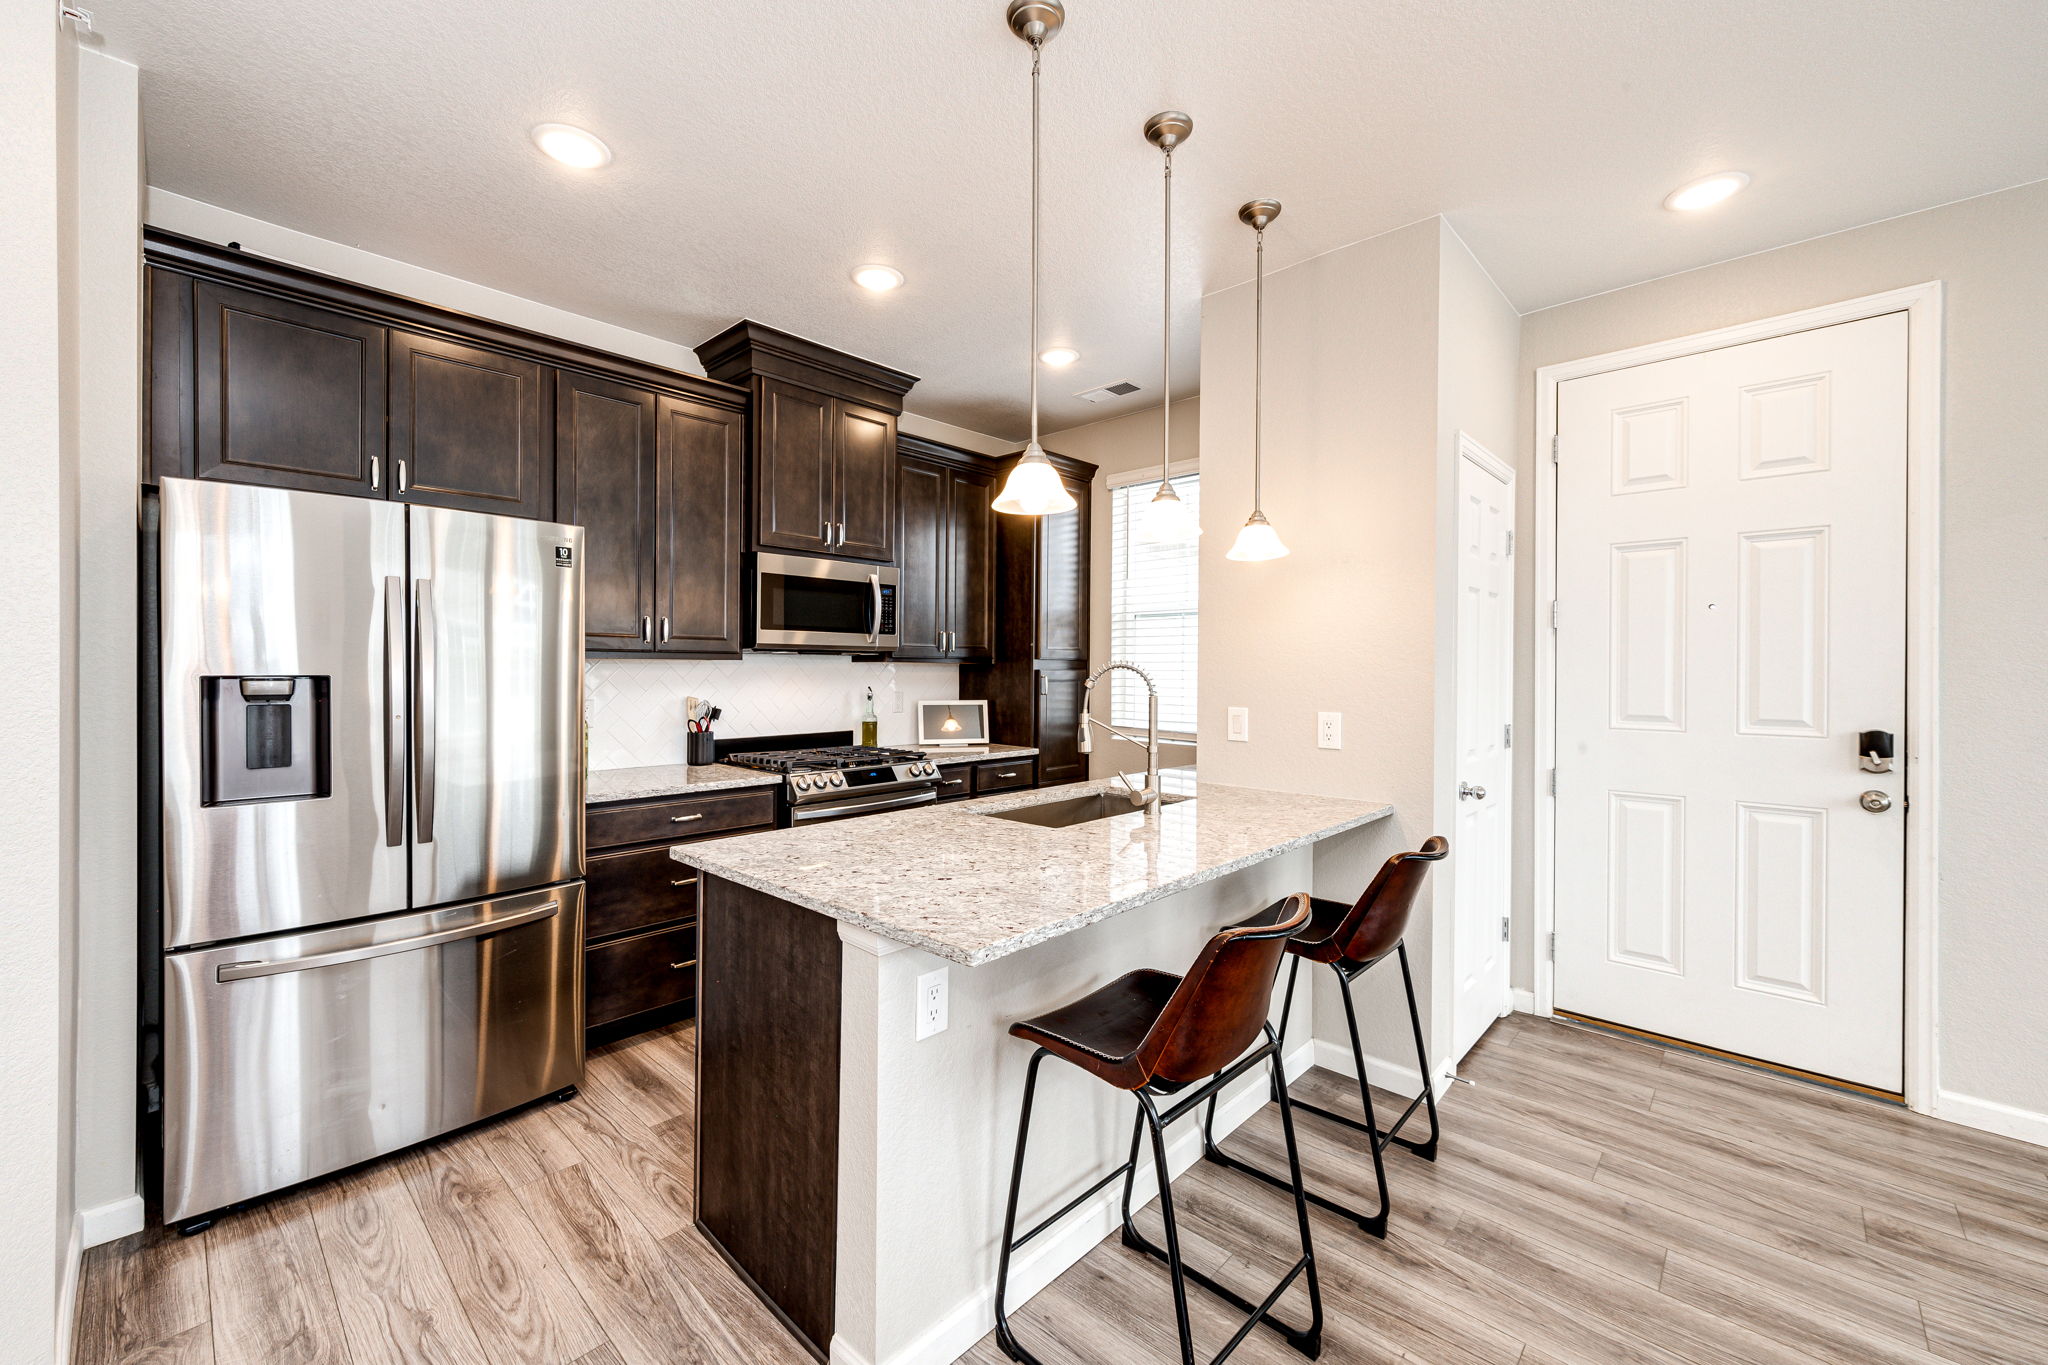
(1731, 613)
(1482, 838)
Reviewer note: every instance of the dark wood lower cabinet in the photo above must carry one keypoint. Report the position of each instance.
(1057, 725)
(656, 970)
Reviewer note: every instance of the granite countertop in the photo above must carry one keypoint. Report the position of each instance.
(670, 779)
(952, 881)
(676, 779)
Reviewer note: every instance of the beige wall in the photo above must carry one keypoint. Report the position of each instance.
(1118, 445)
(1991, 254)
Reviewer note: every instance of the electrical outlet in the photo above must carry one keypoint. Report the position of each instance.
(896, 700)
(931, 1004)
(1240, 724)
(1329, 729)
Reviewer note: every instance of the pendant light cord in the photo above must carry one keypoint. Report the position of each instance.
(1166, 342)
(1259, 379)
(1037, 45)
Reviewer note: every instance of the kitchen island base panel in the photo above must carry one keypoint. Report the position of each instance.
(768, 1045)
(855, 1175)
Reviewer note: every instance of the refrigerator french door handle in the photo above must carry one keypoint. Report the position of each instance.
(394, 711)
(242, 971)
(424, 717)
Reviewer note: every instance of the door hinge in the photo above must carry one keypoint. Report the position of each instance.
(1553, 613)
(1507, 736)
(1511, 545)
(1553, 781)
(1503, 928)
(1553, 945)
(1553, 448)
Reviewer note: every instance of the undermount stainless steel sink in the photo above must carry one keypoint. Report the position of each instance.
(1077, 810)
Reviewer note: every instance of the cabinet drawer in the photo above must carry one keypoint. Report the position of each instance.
(645, 972)
(627, 891)
(956, 782)
(677, 821)
(1002, 777)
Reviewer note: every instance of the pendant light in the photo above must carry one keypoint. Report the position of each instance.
(1257, 539)
(1034, 487)
(1167, 519)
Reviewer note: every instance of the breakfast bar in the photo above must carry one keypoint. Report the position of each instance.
(857, 1088)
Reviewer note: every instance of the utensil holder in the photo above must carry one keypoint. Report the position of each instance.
(703, 748)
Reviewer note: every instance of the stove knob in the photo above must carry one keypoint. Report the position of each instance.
(803, 784)
(838, 779)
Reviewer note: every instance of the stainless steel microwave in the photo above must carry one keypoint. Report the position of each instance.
(803, 603)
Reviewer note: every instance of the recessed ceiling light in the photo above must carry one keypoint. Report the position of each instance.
(1059, 357)
(1706, 193)
(880, 278)
(571, 146)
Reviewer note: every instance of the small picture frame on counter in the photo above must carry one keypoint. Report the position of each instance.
(944, 724)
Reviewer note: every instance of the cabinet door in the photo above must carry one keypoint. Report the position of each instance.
(605, 483)
(793, 506)
(864, 443)
(697, 528)
(971, 566)
(466, 428)
(1057, 723)
(1059, 629)
(923, 555)
(286, 395)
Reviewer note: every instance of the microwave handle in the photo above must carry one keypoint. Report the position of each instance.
(875, 621)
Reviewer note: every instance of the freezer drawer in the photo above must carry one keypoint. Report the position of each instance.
(289, 1057)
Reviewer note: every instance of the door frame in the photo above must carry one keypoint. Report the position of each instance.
(1922, 305)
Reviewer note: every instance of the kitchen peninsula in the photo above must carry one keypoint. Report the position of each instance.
(853, 1170)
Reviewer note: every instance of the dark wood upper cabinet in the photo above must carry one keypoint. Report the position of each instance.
(286, 395)
(945, 550)
(699, 521)
(465, 428)
(793, 469)
(823, 442)
(1059, 605)
(605, 482)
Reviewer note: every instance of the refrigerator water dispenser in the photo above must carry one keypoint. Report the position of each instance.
(265, 739)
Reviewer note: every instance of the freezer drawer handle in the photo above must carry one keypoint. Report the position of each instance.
(240, 971)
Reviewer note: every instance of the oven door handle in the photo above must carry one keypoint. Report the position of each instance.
(916, 798)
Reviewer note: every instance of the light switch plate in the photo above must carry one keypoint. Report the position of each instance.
(1329, 729)
(931, 1004)
(1240, 723)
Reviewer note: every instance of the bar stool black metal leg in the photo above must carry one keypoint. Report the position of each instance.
(1310, 1343)
(1376, 1224)
(1174, 1268)
(1004, 1338)
(1425, 1150)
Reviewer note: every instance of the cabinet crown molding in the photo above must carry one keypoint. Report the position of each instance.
(748, 349)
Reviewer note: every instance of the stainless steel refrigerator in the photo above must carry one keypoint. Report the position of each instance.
(371, 723)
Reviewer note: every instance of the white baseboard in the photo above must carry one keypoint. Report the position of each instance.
(1525, 1001)
(1061, 1247)
(109, 1222)
(2007, 1120)
(67, 1295)
(1405, 1081)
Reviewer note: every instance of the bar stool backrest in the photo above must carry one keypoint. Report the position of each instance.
(1380, 917)
(1220, 1006)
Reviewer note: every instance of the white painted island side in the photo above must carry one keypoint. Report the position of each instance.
(1021, 918)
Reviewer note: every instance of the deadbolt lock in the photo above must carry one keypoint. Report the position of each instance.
(1877, 803)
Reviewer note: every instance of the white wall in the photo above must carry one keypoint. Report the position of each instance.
(634, 707)
(1348, 621)
(1990, 254)
(1118, 445)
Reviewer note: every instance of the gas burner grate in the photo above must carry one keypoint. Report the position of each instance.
(812, 760)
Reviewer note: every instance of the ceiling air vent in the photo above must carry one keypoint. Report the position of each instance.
(1107, 391)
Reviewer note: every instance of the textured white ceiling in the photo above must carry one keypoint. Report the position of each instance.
(766, 147)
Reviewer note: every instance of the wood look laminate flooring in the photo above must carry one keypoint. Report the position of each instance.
(1595, 1199)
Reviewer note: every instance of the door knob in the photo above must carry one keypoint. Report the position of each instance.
(1468, 792)
(1877, 803)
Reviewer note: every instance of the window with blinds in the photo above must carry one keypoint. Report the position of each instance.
(1152, 620)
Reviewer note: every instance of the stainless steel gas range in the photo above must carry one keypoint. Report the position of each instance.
(834, 781)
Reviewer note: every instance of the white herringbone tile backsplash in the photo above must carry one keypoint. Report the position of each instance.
(634, 707)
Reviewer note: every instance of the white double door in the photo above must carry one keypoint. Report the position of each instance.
(1731, 614)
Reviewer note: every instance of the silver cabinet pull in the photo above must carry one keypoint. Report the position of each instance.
(684, 881)
(664, 630)
(678, 966)
(647, 630)
(394, 710)
(376, 473)
(1006, 774)
(241, 971)
(401, 476)
(424, 716)
(682, 819)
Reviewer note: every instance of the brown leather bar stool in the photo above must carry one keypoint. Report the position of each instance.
(1351, 940)
(1154, 1034)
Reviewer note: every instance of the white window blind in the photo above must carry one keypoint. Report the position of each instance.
(1152, 604)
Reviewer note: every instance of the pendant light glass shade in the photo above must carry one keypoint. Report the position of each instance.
(1034, 488)
(1167, 519)
(1257, 539)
